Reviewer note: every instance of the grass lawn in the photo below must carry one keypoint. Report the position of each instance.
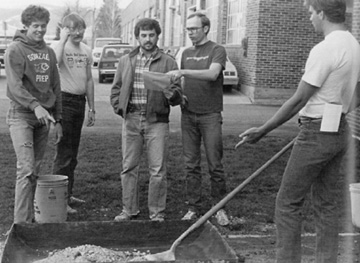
(97, 181)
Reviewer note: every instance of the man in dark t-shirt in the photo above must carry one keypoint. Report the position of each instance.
(202, 66)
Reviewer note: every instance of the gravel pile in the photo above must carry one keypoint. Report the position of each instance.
(91, 254)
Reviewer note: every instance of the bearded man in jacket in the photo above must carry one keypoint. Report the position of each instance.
(146, 119)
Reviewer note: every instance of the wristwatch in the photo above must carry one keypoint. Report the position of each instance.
(92, 110)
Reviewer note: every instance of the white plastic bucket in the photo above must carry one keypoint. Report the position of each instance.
(51, 199)
(355, 203)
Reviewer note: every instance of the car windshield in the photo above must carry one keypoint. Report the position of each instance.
(115, 52)
(101, 43)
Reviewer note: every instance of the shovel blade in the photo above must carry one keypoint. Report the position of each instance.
(162, 256)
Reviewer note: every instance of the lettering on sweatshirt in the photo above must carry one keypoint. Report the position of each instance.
(42, 67)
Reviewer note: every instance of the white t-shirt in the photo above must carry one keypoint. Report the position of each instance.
(72, 71)
(333, 66)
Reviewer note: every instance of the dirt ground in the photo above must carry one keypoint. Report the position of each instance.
(261, 248)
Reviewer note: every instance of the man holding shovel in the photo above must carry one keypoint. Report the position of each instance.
(322, 98)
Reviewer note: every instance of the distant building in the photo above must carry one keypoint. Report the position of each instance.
(267, 40)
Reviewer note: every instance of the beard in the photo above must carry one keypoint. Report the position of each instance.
(149, 46)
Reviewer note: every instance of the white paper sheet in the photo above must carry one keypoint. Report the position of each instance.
(156, 80)
(331, 118)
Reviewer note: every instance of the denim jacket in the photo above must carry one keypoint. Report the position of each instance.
(158, 106)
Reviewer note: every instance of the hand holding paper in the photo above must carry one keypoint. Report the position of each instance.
(156, 81)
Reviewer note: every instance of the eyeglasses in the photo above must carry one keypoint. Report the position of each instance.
(193, 29)
(76, 29)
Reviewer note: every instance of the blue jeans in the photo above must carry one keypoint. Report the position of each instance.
(314, 165)
(136, 131)
(206, 127)
(29, 139)
(73, 114)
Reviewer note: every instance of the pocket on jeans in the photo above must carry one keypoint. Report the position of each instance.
(306, 136)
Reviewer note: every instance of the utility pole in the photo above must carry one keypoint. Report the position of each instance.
(5, 29)
(113, 20)
(93, 28)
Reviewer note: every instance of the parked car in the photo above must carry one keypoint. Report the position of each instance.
(2, 53)
(109, 58)
(4, 43)
(52, 43)
(231, 77)
(99, 43)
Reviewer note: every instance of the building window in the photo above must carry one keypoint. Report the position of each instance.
(236, 26)
(212, 9)
(203, 4)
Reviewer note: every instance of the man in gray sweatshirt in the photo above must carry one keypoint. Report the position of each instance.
(33, 87)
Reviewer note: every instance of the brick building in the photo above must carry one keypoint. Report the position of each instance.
(267, 40)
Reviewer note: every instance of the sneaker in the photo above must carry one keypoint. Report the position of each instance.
(190, 215)
(222, 218)
(74, 200)
(158, 217)
(70, 210)
(123, 216)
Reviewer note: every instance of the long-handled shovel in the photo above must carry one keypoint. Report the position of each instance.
(169, 255)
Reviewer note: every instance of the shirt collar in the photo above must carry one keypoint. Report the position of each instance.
(152, 54)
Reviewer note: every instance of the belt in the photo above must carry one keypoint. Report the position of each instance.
(303, 120)
(75, 96)
(140, 112)
(134, 108)
(197, 114)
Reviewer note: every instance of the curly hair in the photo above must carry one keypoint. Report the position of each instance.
(34, 13)
(147, 24)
